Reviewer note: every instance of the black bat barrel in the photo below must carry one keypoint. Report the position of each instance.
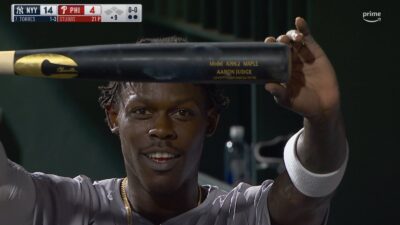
(219, 62)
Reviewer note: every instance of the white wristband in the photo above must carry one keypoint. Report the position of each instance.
(309, 183)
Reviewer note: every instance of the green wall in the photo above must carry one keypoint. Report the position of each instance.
(366, 62)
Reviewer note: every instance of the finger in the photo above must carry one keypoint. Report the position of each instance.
(270, 40)
(302, 26)
(295, 57)
(295, 35)
(303, 49)
(303, 52)
(277, 90)
(283, 39)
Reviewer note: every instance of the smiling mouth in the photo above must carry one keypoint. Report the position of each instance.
(161, 157)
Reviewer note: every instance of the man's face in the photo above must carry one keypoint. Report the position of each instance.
(162, 129)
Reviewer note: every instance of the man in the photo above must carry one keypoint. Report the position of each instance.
(162, 128)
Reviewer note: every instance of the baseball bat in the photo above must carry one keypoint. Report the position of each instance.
(208, 62)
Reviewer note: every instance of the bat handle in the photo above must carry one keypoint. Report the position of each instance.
(7, 62)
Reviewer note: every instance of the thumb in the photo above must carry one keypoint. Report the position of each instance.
(310, 48)
(302, 26)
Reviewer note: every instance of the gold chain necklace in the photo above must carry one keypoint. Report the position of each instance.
(127, 205)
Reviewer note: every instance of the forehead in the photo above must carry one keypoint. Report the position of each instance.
(162, 92)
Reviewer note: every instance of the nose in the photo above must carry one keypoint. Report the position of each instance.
(163, 129)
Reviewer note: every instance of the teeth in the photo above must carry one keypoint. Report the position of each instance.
(157, 155)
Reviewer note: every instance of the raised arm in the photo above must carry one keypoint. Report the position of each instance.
(320, 148)
(17, 193)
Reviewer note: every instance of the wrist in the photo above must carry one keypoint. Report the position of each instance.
(322, 146)
(325, 118)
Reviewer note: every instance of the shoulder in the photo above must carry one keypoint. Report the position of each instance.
(74, 188)
(243, 195)
(242, 189)
(60, 182)
(78, 180)
(110, 183)
(109, 188)
(78, 199)
(78, 192)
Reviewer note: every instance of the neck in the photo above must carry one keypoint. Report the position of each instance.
(159, 206)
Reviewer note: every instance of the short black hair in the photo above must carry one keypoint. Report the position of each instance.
(111, 93)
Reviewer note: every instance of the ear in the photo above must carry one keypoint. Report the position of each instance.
(213, 119)
(112, 119)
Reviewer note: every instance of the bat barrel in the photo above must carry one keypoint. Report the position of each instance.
(240, 62)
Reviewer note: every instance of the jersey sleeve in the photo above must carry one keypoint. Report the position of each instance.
(246, 204)
(17, 192)
(43, 199)
(63, 200)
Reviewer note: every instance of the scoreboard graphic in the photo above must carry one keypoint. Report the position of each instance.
(76, 13)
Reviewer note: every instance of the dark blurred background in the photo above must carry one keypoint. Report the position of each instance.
(57, 126)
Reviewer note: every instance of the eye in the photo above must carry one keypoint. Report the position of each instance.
(140, 113)
(183, 114)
